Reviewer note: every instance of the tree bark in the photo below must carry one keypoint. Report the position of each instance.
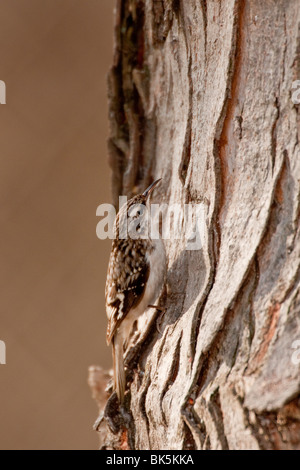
(201, 95)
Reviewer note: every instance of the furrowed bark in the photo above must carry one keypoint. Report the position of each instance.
(201, 96)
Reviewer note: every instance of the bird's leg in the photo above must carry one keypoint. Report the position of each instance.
(161, 310)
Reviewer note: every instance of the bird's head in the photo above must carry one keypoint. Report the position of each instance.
(133, 217)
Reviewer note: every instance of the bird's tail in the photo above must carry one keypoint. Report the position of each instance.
(119, 372)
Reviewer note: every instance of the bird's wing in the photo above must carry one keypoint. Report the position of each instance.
(126, 280)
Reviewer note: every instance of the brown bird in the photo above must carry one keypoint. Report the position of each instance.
(135, 277)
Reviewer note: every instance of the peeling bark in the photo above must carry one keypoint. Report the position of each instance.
(200, 95)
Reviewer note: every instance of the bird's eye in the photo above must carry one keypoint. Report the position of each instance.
(135, 212)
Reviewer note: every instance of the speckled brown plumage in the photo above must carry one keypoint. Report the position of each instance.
(133, 280)
(127, 276)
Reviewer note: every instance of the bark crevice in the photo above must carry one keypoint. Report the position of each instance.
(200, 96)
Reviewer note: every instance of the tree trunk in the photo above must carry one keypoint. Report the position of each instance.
(201, 95)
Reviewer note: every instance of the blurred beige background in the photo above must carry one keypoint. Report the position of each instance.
(54, 56)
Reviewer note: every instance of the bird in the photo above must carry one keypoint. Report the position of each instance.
(135, 278)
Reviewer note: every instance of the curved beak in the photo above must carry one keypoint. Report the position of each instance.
(149, 190)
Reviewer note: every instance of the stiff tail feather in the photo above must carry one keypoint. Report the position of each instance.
(119, 372)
